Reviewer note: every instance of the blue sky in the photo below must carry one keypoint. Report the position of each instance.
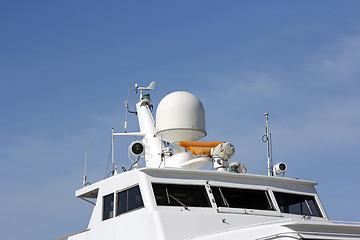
(66, 66)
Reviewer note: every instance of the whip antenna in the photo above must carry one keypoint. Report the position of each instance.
(267, 138)
(85, 177)
(132, 97)
(126, 103)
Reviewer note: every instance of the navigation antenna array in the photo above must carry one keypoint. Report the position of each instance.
(146, 98)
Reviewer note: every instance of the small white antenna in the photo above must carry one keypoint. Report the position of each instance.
(85, 177)
(125, 126)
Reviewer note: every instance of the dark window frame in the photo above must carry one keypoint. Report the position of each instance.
(139, 203)
(108, 211)
(299, 204)
(224, 198)
(181, 195)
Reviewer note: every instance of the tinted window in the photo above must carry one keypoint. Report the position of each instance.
(128, 200)
(108, 206)
(121, 202)
(242, 198)
(297, 204)
(180, 195)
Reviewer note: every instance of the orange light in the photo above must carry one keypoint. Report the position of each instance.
(199, 147)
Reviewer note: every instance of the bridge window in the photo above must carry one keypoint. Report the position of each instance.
(180, 195)
(108, 206)
(128, 200)
(297, 204)
(242, 198)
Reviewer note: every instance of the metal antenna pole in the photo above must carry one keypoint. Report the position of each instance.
(271, 157)
(112, 150)
(268, 144)
(85, 177)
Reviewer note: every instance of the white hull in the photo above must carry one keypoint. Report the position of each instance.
(176, 222)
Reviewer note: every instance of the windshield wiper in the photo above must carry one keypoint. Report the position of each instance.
(307, 204)
(223, 198)
(178, 201)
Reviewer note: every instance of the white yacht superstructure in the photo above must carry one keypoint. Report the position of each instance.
(171, 198)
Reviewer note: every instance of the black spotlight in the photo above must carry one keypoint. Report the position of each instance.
(137, 148)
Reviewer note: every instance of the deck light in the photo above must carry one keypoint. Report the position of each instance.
(280, 168)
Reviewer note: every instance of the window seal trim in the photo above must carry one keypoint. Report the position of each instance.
(247, 211)
(128, 187)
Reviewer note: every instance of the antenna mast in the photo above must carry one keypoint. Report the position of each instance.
(114, 167)
(85, 177)
(267, 138)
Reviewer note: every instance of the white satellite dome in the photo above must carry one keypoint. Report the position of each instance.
(180, 116)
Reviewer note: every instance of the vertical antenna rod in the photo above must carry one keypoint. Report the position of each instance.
(267, 140)
(114, 169)
(85, 177)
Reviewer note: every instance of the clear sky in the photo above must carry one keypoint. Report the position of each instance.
(66, 66)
